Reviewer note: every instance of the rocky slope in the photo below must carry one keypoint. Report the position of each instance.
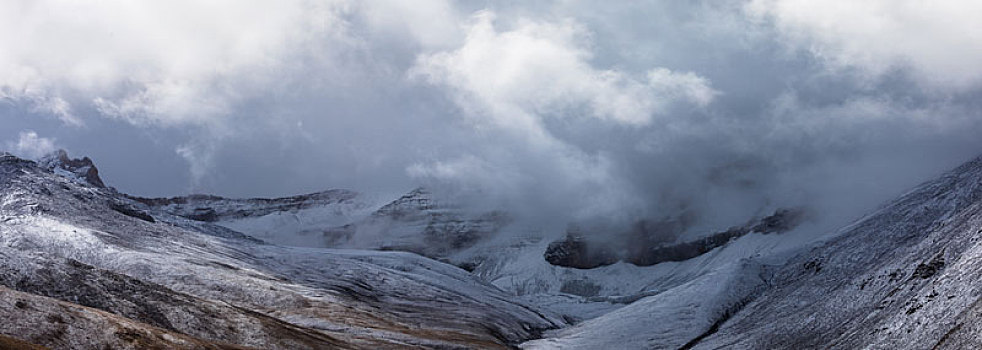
(80, 170)
(906, 276)
(903, 277)
(163, 281)
(210, 208)
(415, 222)
(641, 248)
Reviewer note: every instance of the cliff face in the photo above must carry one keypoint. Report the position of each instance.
(82, 170)
(643, 248)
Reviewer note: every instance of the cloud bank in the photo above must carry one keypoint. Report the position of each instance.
(562, 110)
(935, 42)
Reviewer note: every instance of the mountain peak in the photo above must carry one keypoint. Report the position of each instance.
(80, 169)
(417, 200)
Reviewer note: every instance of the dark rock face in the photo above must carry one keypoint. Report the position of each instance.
(781, 221)
(650, 233)
(686, 250)
(925, 271)
(82, 168)
(646, 245)
(576, 253)
(131, 211)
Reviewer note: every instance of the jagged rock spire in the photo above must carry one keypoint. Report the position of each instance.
(81, 169)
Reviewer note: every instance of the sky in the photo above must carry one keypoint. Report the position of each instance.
(561, 110)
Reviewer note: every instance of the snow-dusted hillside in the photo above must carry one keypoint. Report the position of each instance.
(666, 320)
(188, 271)
(415, 222)
(904, 277)
(587, 293)
(497, 250)
(89, 246)
(291, 221)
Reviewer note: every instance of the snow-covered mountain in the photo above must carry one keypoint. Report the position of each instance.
(415, 222)
(906, 276)
(205, 271)
(291, 221)
(903, 277)
(86, 267)
(515, 257)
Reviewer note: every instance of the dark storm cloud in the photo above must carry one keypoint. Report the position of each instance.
(565, 111)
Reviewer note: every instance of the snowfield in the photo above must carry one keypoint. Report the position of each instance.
(905, 276)
(667, 320)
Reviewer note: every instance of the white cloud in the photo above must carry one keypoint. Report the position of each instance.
(199, 66)
(681, 86)
(543, 69)
(556, 181)
(430, 23)
(578, 107)
(937, 40)
(514, 80)
(200, 158)
(177, 64)
(159, 63)
(41, 103)
(451, 170)
(30, 145)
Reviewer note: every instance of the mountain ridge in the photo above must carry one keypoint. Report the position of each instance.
(59, 227)
(900, 276)
(900, 273)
